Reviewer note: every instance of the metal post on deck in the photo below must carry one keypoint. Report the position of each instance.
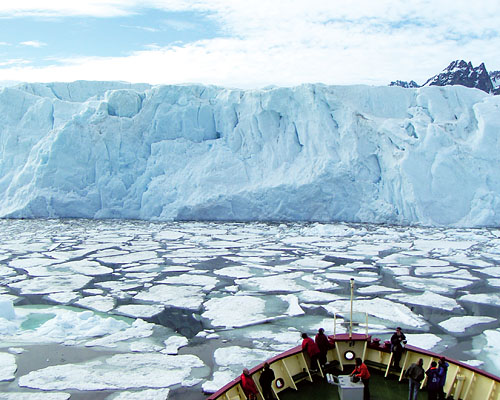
(352, 295)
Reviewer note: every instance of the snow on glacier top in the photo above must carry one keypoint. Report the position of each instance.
(425, 156)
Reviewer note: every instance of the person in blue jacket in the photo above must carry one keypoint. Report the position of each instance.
(442, 371)
(432, 381)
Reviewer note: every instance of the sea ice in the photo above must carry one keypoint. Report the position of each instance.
(140, 310)
(98, 303)
(190, 297)
(174, 343)
(9, 367)
(52, 284)
(121, 371)
(34, 396)
(462, 324)
(383, 309)
(427, 299)
(148, 394)
(483, 298)
(274, 283)
(425, 341)
(235, 311)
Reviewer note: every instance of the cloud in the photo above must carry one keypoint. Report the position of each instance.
(33, 43)
(288, 42)
(14, 61)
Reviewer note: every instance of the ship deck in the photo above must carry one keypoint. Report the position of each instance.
(380, 389)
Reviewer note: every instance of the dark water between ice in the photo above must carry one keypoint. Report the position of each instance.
(250, 287)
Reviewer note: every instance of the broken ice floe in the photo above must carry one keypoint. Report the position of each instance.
(148, 394)
(458, 325)
(9, 366)
(426, 299)
(121, 371)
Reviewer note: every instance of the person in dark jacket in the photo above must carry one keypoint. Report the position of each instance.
(442, 371)
(398, 339)
(323, 344)
(266, 381)
(432, 381)
(248, 385)
(361, 371)
(415, 374)
(312, 350)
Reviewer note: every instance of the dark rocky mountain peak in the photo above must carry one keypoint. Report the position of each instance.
(463, 73)
(411, 84)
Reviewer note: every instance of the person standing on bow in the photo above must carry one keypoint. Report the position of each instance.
(248, 385)
(361, 371)
(266, 381)
(432, 381)
(415, 374)
(398, 339)
(323, 344)
(442, 371)
(312, 350)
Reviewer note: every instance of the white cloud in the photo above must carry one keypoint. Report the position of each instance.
(290, 42)
(33, 43)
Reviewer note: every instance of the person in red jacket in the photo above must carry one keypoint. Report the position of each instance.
(312, 350)
(323, 344)
(361, 371)
(248, 385)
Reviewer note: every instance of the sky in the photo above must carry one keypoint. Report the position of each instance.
(244, 43)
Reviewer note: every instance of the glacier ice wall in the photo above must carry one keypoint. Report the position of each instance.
(325, 153)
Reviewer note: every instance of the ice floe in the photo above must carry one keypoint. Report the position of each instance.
(148, 394)
(464, 323)
(122, 371)
(235, 311)
(427, 299)
(9, 366)
(190, 297)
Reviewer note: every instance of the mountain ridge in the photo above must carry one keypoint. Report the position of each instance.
(460, 72)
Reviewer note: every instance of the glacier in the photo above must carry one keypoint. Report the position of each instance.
(424, 156)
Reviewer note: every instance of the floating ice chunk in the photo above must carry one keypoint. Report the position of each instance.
(219, 379)
(347, 277)
(7, 309)
(312, 296)
(139, 329)
(438, 285)
(293, 305)
(52, 284)
(98, 303)
(34, 396)
(26, 263)
(122, 371)
(462, 324)
(376, 289)
(16, 350)
(129, 257)
(234, 272)
(398, 271)
(174, 343)
(310, 263)
(140, 310)
(427, 299)
(491, 271)
(474, 363)
(430, 262)
(241, 356)
(426, 341)
(494, 282)
(235, 311)
(149, 394)
(6, 271)
(273, 283)
(429, 245)
(482, 298)
(208, 282)
(63, 325)
(9, 367)
(190, 297)
(492, 346)
(120, 285)
(460, 274)
(63, 297)
(383, 309)
(168, 235)
(433, 270)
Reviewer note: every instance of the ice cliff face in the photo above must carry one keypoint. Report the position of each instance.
(324, 153)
